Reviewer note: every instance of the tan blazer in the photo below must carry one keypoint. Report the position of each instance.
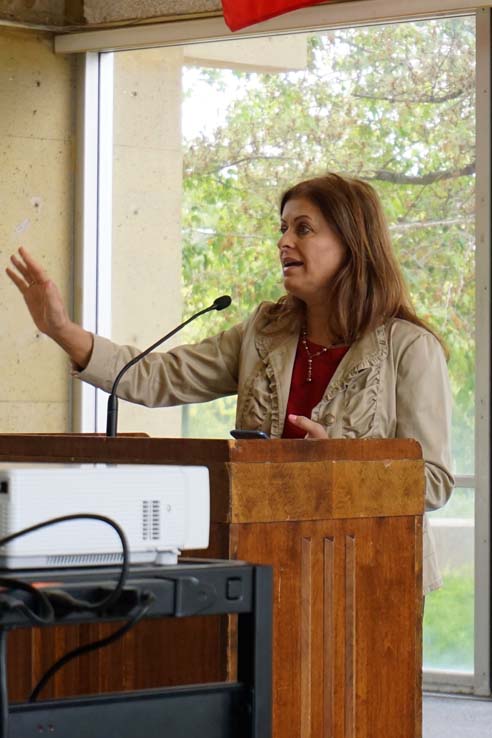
(392, 383)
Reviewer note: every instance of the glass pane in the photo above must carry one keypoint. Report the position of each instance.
(392, 104)
(449, 612)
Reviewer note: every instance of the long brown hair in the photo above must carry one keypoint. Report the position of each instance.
(369, 288)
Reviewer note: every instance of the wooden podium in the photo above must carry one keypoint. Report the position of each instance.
(341, 523)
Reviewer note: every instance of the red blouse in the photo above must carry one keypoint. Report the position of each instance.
(303, 395)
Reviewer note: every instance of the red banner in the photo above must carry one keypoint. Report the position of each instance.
(241, 13)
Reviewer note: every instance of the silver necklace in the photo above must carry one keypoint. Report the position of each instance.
(310, 356)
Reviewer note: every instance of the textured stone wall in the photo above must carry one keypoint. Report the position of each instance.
(36, 196)
(147, 187)
(72, 13)
(103, 11)
(44, 12)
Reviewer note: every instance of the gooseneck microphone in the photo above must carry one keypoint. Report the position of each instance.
(220, 303)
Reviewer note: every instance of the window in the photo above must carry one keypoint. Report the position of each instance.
(207, 136)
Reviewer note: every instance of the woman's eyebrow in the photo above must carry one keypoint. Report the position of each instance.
(298, 217)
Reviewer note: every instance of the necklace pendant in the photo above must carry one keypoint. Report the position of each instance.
(310, 369)
(310, 356)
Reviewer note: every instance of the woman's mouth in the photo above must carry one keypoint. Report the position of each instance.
(289, 264)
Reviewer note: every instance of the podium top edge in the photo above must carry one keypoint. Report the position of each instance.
(139, 448)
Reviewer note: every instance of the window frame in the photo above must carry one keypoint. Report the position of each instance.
(483, 652)
(93, 223)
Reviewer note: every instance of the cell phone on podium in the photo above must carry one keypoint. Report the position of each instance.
(241, 435)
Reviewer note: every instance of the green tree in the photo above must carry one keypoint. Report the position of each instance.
(391, 104)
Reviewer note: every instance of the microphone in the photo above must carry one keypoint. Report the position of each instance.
(220, 303)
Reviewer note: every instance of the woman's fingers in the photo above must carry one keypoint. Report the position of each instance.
(39, 292)
(31, 271)
(20, 283)
(312, 429)
(34, 268)
(21, 269)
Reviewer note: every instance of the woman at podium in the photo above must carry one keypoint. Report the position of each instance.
(341, 355)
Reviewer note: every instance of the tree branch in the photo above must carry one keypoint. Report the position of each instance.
(416, 224)
(384, 175)
(424, 99)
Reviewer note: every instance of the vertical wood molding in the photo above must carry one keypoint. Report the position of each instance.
(350, 604)
(306, 637)
(328, 637)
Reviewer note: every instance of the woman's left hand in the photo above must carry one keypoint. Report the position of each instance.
(312, 429)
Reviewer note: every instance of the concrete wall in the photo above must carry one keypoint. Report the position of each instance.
(147, 184)
(80, 13)
(46, 12)
(103, 11)
(36, 196)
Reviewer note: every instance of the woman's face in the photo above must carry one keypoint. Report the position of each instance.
(310, 252)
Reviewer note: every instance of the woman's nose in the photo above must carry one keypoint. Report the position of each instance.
(284, 241)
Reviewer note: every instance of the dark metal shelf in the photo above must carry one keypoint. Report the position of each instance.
(193, 587)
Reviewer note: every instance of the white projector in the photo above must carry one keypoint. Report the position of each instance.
(162, 510)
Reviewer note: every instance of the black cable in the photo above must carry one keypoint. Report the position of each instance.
(46, 613)
(113, 596)
(147, 597)
(10, 603)
(4, 700)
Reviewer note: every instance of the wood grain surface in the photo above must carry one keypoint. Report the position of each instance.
(347, 644)
(341, 524)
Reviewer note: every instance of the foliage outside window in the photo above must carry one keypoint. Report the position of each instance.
(391, 104)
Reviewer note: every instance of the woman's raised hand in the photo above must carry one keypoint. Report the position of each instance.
(47, 309)
(40, 293)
